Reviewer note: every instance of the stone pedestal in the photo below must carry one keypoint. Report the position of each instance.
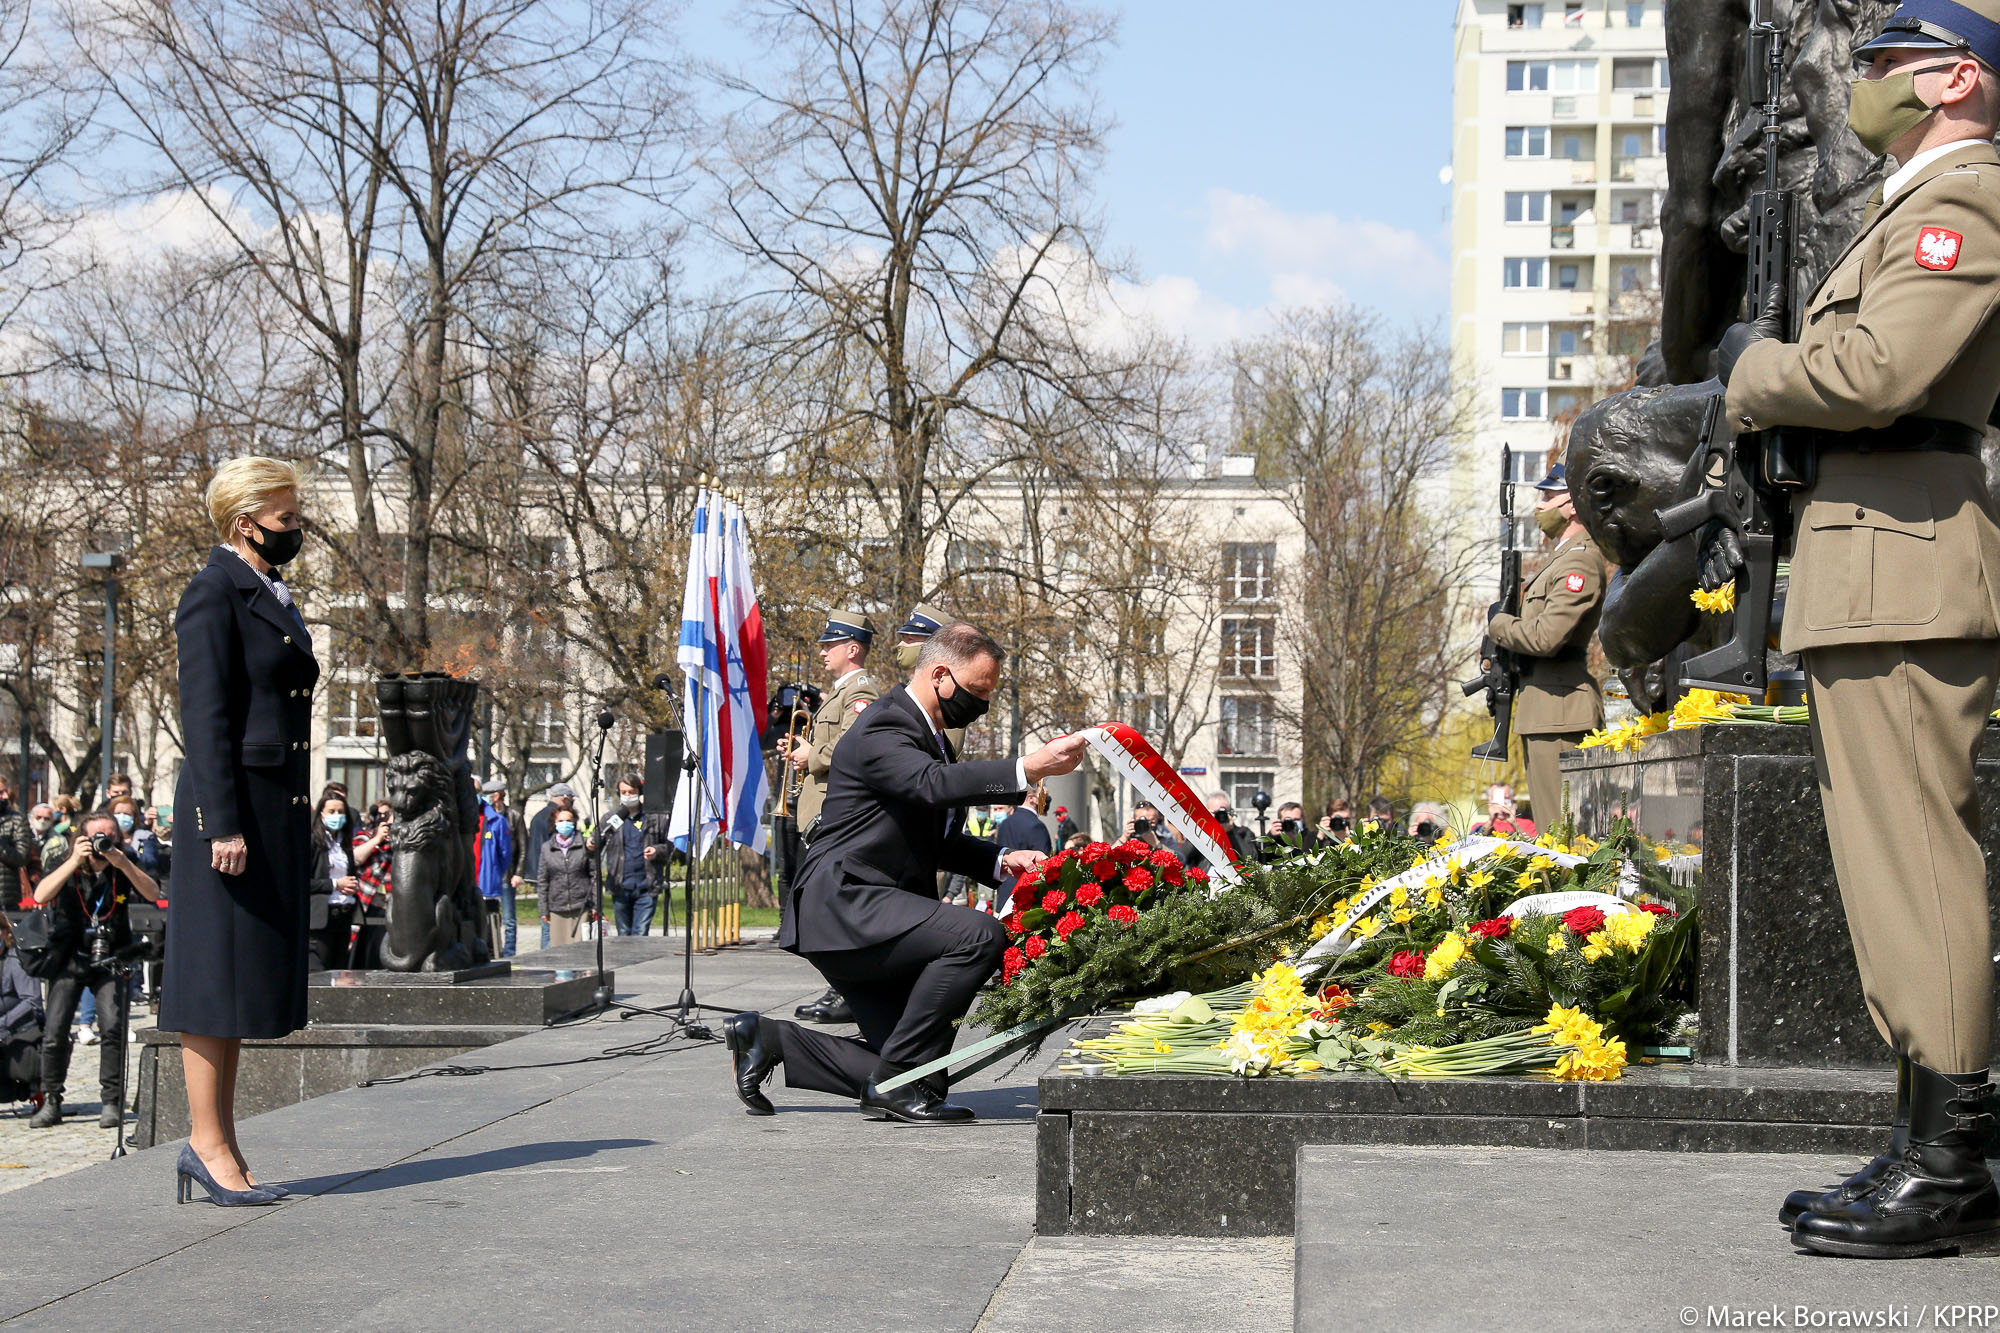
(1778, 984)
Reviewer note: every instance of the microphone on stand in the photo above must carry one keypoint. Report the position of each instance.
(602, 996)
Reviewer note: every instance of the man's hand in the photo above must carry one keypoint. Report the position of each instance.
(517, 881)
(347, 884)
(652, 853)
(1740, 336)
(1021, 862)
(229, 855)
(1059, 756)
(79, 848)
(1721, 558)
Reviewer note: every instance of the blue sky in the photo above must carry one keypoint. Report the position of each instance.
(1267, 153)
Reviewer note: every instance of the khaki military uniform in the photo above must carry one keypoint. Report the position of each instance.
(1559, 701)
(846, 702)
(1893, 592)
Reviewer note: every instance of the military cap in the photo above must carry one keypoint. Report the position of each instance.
(1557, 480)
(1972, 26)
(924, 621)
(843, 625)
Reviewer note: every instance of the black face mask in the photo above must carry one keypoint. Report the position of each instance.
(962, 708)
(278, 546)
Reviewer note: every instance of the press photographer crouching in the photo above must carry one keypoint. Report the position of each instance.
(89, 927)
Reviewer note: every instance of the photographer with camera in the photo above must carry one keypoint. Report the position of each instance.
(1242, 840)
(1146, 827)
(87, 898)
(1292, 834)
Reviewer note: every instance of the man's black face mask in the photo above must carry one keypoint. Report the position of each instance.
(962, 708)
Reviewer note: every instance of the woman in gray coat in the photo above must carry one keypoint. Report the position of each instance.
(567, 879)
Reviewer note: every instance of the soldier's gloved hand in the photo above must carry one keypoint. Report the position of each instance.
(1491, 612)
(1721, 558)
(1740, 336)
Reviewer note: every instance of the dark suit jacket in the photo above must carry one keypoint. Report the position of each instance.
(888, 826)
(1022, 831)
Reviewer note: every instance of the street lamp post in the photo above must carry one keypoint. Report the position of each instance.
(110, 562)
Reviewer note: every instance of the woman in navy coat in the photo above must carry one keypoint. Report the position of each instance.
(236, 957)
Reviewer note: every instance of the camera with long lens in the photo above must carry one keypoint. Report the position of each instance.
(786, 702)
(102, 843)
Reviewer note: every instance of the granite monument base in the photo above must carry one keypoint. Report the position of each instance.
(1778, 984)
(1192, 1156)
(364, 1025)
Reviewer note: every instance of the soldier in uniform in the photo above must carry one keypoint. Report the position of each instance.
(1893, 606)
(911, 636)
(843, 647)
(1559, 702)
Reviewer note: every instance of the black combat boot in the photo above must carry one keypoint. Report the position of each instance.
(1937, 1197)
(1863, 1180)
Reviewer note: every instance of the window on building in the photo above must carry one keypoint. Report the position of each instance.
(1523, 404)
(545, 729)
(1248, 727)
(974, 564)
(1575, 148)
(1628, 210)
(1528, 76)
(1631, 277)
(1569, 276)
(1525, 273)
(1147, 715)
(1572, 13)
(1572, 76)
(1249, 571)
(1524, 339)
(1527, 141)
(1524, 468)
(362, 778)
(1243, 788)
(1659, 140)
(537, 776)
(1632, 75)
(1566, 342)
(1527, 206)
(1632, 143)
(1568, 211)
(351, 710)
(1524, 16)
(1635, 14)
(1249, 649)
(1665, 79)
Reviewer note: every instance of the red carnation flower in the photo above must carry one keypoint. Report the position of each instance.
(1173, 872)
(1583, 920)
(1015, 926)
(1057, 862)
(1138, 880)
(1657, 909)
(1124, 914)
(1407, 963)
(1070, 923)
(1196, 875)
(1107, 869)
(1496, 929)
(1090, 895)
(1130, 852)
(1011, 964)
(1053, 900)
(1094, 852)
(1034, 947)
(1163, 858)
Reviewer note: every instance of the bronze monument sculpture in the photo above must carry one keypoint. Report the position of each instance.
(436, 918)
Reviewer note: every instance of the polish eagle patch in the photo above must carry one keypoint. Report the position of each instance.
(1574, 583)
(1937, 248)
(860, 707)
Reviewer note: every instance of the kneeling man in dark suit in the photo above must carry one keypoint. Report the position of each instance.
(864, 907)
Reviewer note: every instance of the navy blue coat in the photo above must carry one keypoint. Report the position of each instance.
(887, 827)
(1021, 831)
(236, 944)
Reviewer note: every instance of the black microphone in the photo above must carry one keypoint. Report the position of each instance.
(605, 719)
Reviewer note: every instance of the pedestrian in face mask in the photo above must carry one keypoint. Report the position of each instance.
(633, 849)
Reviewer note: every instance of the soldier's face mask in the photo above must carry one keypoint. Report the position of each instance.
(1551, 521)
(1883, 110)
(906, 655)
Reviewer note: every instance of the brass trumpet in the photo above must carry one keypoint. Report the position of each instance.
(793, 777)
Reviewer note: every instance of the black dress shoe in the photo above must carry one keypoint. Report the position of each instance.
(810, 1009)
(1862, 1181)
(913, 1103)
(751, 1059)
(1937, 1197)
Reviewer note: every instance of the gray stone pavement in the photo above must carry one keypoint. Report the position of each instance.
(1534, 1239)
(28, 1155)
(621, 1193)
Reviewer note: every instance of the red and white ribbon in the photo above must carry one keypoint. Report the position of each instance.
(1156, 782)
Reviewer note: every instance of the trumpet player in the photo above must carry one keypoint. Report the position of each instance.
(843, 648)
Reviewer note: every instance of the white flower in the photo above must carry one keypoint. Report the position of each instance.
(1162, 1004)
(1245, 1055)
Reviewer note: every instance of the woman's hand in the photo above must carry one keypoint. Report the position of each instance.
(229, 855)
(347, 884)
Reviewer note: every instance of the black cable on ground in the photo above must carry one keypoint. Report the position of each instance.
(690, 1037)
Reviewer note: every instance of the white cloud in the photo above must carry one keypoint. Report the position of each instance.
(1319, 244)
(174, 220)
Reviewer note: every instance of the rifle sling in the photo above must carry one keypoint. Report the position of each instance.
(1904, 435)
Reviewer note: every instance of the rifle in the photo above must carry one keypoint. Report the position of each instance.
(1501, 678)
(1745, 480)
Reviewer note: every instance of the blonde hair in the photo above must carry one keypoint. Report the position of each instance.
(242, 486)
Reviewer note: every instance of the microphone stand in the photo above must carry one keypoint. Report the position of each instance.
(601, 997)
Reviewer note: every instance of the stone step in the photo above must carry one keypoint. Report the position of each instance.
(1161, 1155)
(1418, 1239)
